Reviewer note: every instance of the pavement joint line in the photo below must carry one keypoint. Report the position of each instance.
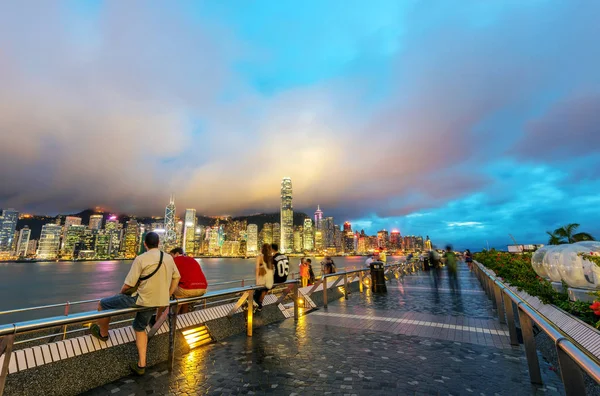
(417, 323)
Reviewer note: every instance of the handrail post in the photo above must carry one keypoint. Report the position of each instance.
(173, 308)
(249, 313)
(346, 286)
(530, 351)
(360, 281)
(498, 296)
(570, 372)
(510, 319)
(324, 291)
(6, 347)
(296, 302)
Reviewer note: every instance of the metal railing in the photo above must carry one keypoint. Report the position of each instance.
(571, 358)
(8, 332)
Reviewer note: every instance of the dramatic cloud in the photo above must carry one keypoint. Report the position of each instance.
(466, 123)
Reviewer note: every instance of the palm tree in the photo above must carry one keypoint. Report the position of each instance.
(566, 234)
(554, 239)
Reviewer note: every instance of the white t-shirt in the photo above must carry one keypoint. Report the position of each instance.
(369, 261)
(153, 292)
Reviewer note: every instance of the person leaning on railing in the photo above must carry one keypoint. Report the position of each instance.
(153, 277)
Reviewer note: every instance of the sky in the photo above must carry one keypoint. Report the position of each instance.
(463, 120)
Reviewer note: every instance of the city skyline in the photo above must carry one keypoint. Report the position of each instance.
(469, 123)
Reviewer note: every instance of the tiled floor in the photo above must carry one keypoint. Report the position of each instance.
(405, 342)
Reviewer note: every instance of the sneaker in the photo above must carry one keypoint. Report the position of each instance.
(95, 332)
(137, 369)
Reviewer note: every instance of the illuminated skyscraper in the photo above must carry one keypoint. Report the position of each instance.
(213, 242)
(114, 230)
(395, 240)
(309, 235)
(49, 242)
(277, 234)
(347, 227)
(131, 241)
(252, 241)
(72, 220)
(319, 240)
(170, 225)
(287, 217)
(8, 225)
(328, 232)
(72, 237)
(298, 236)
(189, 231)
(23, 244)
(428, 243)
(318, 217)
(382, 239)
(102, 244)
(266, 235)
(95, 222)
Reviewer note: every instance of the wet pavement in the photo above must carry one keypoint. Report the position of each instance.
(412, 340)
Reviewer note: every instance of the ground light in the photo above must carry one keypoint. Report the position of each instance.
(196, 336)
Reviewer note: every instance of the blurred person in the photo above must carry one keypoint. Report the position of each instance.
(264, 274)
(304, 272)
(311, 273)
(469, 259)
(452, 264)
(328, 266)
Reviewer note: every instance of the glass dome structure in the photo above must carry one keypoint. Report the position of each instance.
(550, 262)
(577, 271)
(537, 262)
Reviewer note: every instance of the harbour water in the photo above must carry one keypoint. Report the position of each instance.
(32, 284)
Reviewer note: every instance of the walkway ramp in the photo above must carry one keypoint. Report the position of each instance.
(415, 339)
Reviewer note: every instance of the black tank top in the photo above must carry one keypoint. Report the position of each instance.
(281, 268)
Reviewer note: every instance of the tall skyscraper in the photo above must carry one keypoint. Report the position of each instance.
(8, 225)
(287, 217)
(328, 232)
(252, 241)
(114, 229)
(72, 220)
(347, 227)
(309, 235)
(73, 236)
(23, 244)
(277, 234)
(395, 240)
(189, 231)
(266, 235)
(96, 222)
(131, 241)
(49, 243)
(298, 239)
(170, 225)
(318, 217)
(382, 239)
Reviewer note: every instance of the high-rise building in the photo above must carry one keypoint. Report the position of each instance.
(287, 217)
(298, 242)
(23, 244)
(72, 220)
(328, 232)
(170, 225)
(428, 245)
(96, 222)
(348, 242)
(319, 245)
(382, 239)
(32, 247)
(8, 225)
(102, 244)
(309, 235)
(252, 239)
(230, 248)
(85, 248)
(347, 227)
(189, 232)
(318, 217)
(114, 229)
(276, 234)
(49, 243)
(131, 241)
(395, 240)
(266, 235)
(72, 237)
(214, 248)
(338, 238)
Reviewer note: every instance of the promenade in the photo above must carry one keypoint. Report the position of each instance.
(414, 340)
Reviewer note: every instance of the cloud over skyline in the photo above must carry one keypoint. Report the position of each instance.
(465, 123)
